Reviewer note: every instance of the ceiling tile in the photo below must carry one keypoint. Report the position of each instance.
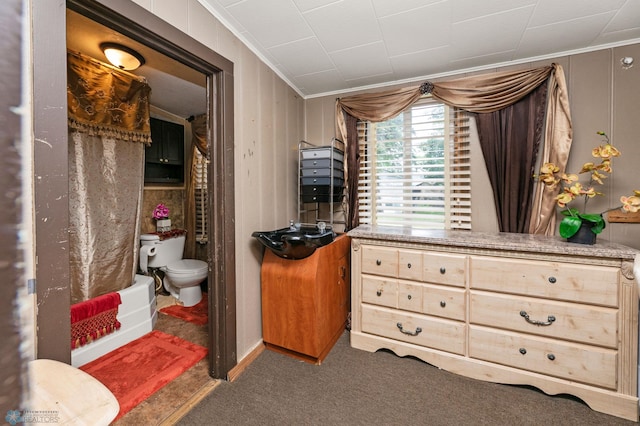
(627, 17)
(482, 61)
(310, 57)
(344, 24)
(226, 3)
(392, 7)
(419, 64)
(318, 82)
(471, 9)
(362, 61)
(306, 5)
(566, 35)
(551, 11)
(270, 28)
(219, 7)
(471, 38)
(376, 80)
(405, 39)
(617, 36)
(417, 30)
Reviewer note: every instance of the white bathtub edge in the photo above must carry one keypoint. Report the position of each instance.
(138, 317)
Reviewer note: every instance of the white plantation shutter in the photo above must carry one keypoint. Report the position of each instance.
(200, 171)
(415, 168)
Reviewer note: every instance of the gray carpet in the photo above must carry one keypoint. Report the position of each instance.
(354, 387)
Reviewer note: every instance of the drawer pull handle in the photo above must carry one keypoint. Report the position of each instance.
(523, 351)
(415, 333)
(443, 269)
(379, 293)
(409, 296)
(552, 280)
(443, 303)
(550, 319)
(378, 262)
(409, 265)
(551, 357)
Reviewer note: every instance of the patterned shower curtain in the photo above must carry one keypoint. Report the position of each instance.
(108, 129)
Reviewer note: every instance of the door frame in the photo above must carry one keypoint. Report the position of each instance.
(50, 167)
(12, 249)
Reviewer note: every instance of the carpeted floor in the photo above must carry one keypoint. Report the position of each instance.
(354, 387)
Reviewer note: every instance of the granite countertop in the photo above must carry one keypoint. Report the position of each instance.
(500, 241)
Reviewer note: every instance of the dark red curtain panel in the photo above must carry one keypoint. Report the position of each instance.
(353, 171)
(510, 138)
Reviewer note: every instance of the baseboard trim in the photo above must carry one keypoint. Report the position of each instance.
(236, 371)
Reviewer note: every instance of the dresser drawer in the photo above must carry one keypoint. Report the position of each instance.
(410, 264)
(409, 296)
(440, 268)
(380, 261)
(575, 362)
(593, 325)
(417, 329)
(444, 302)
(380, 291)
(563, 281)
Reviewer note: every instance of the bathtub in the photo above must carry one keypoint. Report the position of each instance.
(137, 315)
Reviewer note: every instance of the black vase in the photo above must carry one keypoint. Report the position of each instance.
(584, 235)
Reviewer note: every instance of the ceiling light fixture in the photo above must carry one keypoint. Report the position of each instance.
(121, 56)
(627, 62)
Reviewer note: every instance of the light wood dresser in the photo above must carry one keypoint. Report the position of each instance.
(506, 308)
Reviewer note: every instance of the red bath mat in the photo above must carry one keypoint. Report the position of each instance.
(198, 314)
(140, 368)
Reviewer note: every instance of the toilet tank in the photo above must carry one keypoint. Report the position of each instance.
(167, 250)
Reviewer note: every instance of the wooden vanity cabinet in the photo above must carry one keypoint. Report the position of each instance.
(504, 308)
(305, 302)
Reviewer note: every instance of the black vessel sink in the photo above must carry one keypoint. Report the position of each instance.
(295, 242)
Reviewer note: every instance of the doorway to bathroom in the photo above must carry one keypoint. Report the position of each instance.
(50, 166)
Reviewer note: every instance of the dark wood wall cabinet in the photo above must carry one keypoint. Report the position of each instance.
(164, 158)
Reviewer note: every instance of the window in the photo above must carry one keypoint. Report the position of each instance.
(415, 168)
(200, 191)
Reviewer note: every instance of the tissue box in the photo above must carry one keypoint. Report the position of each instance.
(163, 225)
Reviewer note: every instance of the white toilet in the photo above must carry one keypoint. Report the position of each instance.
(182, 277)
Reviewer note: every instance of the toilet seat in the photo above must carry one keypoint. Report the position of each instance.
(187, 267)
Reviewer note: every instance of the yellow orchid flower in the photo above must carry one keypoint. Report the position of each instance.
(590, 192)
(550, 180)
(587, 167)
(605, 151)
(605, 166)
(550, 175)
(569, 178)
(549, 168)
(631, 204)
(576, 189)
(563, 199)
(597, 177)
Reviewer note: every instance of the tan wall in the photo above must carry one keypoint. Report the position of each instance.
(268, 126)
(270, 120)
(602, 96)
